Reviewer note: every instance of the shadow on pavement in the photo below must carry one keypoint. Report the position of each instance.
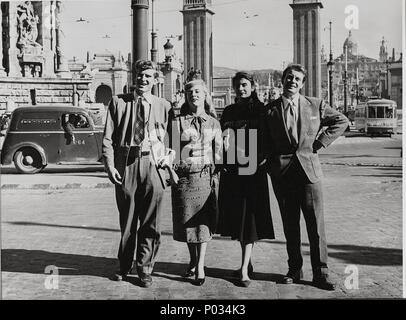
(382, 172)
(25, 223)
(399, 168)
(379, 175)
(362, 255)
(35, 261)
(398, 148)
(174, 271)
(171, 271)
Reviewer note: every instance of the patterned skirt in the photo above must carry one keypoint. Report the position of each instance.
(194, 206)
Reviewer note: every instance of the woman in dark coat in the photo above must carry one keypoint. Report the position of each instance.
(245, 212)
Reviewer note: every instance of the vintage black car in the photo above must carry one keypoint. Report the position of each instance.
(40, 135)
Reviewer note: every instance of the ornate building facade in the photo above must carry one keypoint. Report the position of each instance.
(109, 74)
(366, 77)
(33, 68)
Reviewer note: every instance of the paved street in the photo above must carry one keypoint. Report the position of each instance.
(69, 220)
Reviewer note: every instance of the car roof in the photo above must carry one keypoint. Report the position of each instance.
(61, 108)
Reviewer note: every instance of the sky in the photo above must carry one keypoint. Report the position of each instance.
(247, 34)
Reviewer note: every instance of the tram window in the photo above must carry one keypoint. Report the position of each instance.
(380, 112)
(388, 112)
(371, 112)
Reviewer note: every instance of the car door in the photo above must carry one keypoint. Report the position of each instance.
(79, 142)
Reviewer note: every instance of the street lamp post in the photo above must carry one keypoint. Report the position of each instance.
(387, 62)
(345, 82)
(154, 35)
(330, 65)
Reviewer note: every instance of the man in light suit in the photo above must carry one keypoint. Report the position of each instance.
(297, 127)
(136, 123)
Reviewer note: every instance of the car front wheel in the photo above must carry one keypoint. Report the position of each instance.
(28, 160)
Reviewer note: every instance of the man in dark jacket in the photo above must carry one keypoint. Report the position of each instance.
(295, 133)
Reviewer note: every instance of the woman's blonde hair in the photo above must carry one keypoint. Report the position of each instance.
(208, 104)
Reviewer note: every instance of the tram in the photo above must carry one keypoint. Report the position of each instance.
(376, 117)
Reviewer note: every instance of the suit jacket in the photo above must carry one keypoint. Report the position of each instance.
(314, 114)
(115, 147)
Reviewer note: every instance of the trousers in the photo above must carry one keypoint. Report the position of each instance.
(139, 201)
(295, 193)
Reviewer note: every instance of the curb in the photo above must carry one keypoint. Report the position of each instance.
(360, 164)
(48, 186)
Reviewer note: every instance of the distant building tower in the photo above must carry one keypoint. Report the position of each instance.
(172, 70)
(198, 38)
(351, 44)
(383, 53)
(306, 42)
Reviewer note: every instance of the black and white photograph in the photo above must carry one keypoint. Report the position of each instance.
(202, 154)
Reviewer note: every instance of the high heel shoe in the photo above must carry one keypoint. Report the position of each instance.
(243, 283)
(190, 272)
(199, 281)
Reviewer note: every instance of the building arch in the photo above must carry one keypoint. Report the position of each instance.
(103, 94)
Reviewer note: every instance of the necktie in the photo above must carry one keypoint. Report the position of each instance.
(139, 129)
(291, 123)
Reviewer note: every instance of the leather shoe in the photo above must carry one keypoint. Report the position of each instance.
(145, 279)
(292, 277)
(119, 275)
(322, 282)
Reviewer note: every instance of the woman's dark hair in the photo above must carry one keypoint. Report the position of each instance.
(248, 76)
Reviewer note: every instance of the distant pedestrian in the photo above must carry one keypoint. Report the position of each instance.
(298, 126)
(194, 198)
(69, 127)
(136, 123)
(245, 212)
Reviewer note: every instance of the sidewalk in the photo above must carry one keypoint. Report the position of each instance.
(76, 234)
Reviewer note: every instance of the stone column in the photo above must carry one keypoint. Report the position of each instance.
(46, 28)
(306, 42)
(140, 29)
(2, 72)
(13, 51)
(198, 38)
(62, 69)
